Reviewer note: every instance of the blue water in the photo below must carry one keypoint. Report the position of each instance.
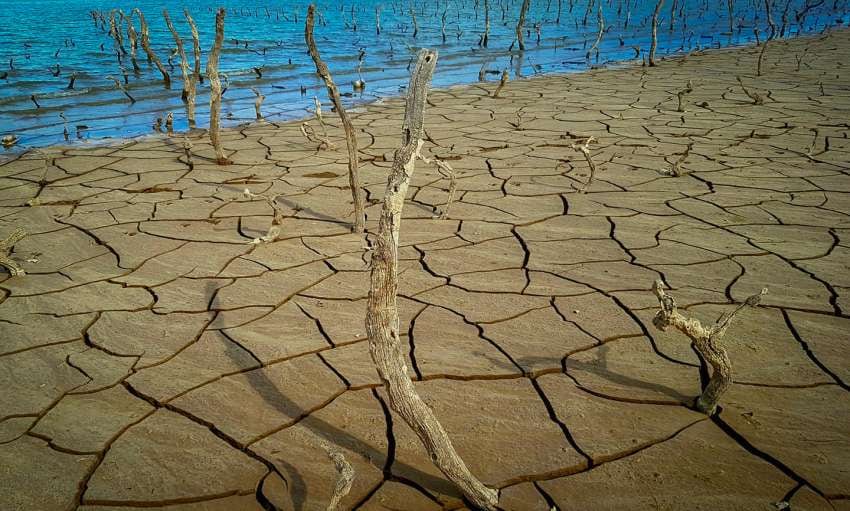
(271, 36)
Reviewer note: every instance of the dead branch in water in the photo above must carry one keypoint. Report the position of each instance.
(601, 22)
(258, 102)
(196, 78)
(215, 89)
(184, 64)
(382, 310)
(350, 138)
(706, 341)
(6, 246)
(169, 123)
(146, 45)
(654, 44)
(522, 11)
(277, 220)
(757, 98)
(584, 148)
(134, 44)
(502, 83)
(123, 89)
(485, 38)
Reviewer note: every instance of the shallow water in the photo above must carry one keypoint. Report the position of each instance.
(36, 36)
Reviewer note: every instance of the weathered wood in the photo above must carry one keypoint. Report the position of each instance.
(215, 89)
(277, 220)
(196, 78)
(706, 341)
(123, 89)
(350, 138)
(486, 37)
(146, 45)
(584, 148)
(601, 22)
(502, 82)
(382, 323)
(258, 102)
(654, 44)
(345, 480)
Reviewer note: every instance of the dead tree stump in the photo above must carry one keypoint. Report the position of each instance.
(215, 89)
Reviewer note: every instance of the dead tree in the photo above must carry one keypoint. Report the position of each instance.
(134, 44)
(350, 138)
(681, 96)
(6, 246)
(184, 64)
(584, 148)
(706, 341)
(522, 11)
(215, 89)
(761, 57)
(123, 89)
(382, 323)
(146, 45)
(654, 44)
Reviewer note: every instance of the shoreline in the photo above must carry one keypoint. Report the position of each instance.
(118, 142)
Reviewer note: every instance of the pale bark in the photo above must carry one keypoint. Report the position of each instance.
(134, 44)
(447, 172)
(706, 341)
(585, 150)
(184, 64)
(258, 102)
(382, 323)
(6, 245)
(277, 220)
(520, 23)
(350, 138)
(146, 45)
(601, 22)
(195, 79)
(654, 44)
(215, 89)
(345, 480)
(187, 151)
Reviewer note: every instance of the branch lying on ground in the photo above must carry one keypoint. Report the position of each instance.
(585, 150)
(448, 172)
(277, 221)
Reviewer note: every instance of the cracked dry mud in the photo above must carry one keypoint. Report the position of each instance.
(152, 357)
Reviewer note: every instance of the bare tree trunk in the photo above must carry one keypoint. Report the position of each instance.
(215, 89)
(707, 342)
(134, 44)
(654, 43)
(730, 6)
(502, 83)
(350, 138)
(382, 311)
(258, 102)
(146, 45)
(184, 64)
(520, 24)
(601, 22)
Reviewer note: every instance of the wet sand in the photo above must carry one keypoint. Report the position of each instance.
(152, 356)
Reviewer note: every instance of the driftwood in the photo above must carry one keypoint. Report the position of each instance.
(350, 138)
(706, 341)
(519, 26)
(382, 323)
(146, 45)
(277, 220)
(215, 89)
(447, 172)
(584, 148)
(6, 246)
(184, 64)
(502, 83)
(654, 44)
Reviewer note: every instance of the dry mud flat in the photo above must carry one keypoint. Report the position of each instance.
(152, 357)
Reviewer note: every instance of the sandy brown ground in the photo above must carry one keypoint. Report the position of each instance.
(153, 357)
